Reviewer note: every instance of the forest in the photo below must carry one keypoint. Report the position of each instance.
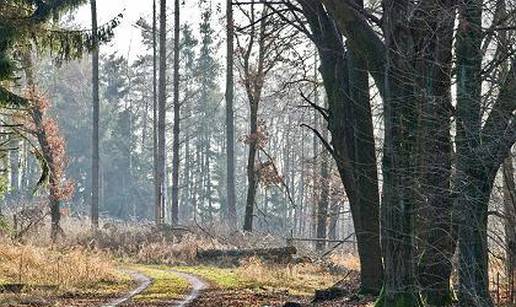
(258, 153)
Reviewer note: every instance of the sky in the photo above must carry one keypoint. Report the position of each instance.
(127, 38)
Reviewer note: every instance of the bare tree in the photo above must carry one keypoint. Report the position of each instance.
(175, 145)
(162, 97)
(95, 158)
(230, 127)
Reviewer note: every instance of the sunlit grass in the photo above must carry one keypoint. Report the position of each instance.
(300, 279)
(166, 286)
(225, 278)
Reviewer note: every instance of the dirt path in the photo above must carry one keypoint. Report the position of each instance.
(197, 286)
(143, 283)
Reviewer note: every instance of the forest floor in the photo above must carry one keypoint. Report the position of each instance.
(138, 266)
(153, 285)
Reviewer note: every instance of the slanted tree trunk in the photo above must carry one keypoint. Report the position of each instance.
(175, 145)
(352, 144)
(253, 81)
(95, 157)
(36, 114)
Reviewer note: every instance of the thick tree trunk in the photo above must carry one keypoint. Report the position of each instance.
(175, 145)
(350, 124)
(399, 199)
(95, 159)
(436, 233)
(473, 186)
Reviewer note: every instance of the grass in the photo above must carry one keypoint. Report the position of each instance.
(297, 279)
(54, 272)
(166, 286)
(300, 279)
(224, 278)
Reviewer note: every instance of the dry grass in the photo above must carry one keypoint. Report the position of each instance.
(298, 279)
(347, 260)
(59, 270)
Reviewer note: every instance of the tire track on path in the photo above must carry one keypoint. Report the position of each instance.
(143, 283)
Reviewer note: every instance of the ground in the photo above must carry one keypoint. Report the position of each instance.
(137, 266)
(224, 287)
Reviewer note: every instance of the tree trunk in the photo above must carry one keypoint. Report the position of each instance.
(95, 157)
(157, 202)
(353, 145)
(175, 145)
(509, 201)
(230, 129)
(322, 209)
(398, 206)
(254, 79)
(43, 141)
(14, 168)
(436, 233)
(162, 100)
(473, 185)
(252, 179)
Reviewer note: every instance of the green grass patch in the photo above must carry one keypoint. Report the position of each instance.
(300, 280)
(166, 286)
(219, 277)
(106, 288)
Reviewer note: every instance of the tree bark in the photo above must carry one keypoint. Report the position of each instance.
(157, 202)
(252, 180)
(162, 109)
(253, 82)
(509, 201)
(95, 157)
(43, 141)
(350, 124)
(399, 199)
(175, 145)
(322, 208)
(438, 242)
(473, 184)
(230, 129)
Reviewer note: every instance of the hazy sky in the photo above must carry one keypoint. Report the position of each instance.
(127, 38)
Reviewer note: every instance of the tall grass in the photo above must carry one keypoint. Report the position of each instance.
(63, 268)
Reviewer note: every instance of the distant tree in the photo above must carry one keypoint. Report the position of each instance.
(52, 154)
(208, 121)
(177, 115)
(230, 129)
(95, 160)
(162, 97)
